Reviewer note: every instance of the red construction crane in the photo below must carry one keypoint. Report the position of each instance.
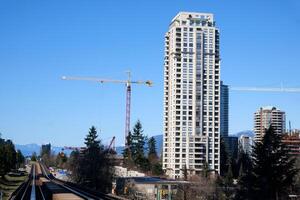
(127, 82)
(112, 145)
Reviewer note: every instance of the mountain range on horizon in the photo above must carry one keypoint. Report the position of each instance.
(29, 149)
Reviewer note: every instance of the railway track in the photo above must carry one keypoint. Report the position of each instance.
(29, 189)
(41, 185)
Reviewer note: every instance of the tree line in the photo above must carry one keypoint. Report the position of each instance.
(10, 158)
(50, 159)
(93, 167)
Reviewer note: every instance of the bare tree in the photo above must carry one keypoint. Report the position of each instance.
(197, 188)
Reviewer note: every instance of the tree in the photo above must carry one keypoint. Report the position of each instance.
(8, 156)
(155, 164)
(205, 170)
(72, 164)
(137, 147)
(197, 188)
(20, 159)
(94, 167)
(91, 141)
(61, 160)
(152, 154)
(157, 169)
(244, 163)
(273, 170)
(33, 157)
(224, 160)
(227, 185)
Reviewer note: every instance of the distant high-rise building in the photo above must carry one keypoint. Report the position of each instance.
(224, 110)
(191, 95)
(245, 143)
(264, 118)
(231, 144)
(46, 149)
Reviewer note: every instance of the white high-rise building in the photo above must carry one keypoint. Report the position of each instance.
(265, 117)
(191, 95)
(245, 144)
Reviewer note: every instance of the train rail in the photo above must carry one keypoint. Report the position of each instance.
(41, 185)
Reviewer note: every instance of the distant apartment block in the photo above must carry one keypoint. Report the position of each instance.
(265, 117)
(245, 144)
(46, 148)
(231, 144)
(191, 94)
(224, 112)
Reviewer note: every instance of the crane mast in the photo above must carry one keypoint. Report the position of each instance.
(128, 108)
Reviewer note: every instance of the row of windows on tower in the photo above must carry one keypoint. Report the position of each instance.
(205, 129)
(179, 29)
(184, 134)
(200, 150)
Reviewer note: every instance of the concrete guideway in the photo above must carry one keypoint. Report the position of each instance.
(40, 185)
(33, 195)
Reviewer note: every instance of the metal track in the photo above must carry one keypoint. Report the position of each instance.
(73, 190)
(31, 190)
(32, 194)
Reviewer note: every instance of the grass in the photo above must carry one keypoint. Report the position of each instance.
(9, 184)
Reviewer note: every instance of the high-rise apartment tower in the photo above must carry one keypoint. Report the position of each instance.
(191, 95)
(245, 144)
(265, 117)
(224, 113)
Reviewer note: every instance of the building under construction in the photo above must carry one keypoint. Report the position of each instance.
(292, 141)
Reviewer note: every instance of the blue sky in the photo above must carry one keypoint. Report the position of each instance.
(42, 40)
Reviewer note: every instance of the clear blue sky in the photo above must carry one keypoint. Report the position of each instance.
(42, 40)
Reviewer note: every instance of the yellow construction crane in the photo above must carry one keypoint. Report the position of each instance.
(127, 83)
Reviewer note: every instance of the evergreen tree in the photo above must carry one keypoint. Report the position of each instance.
(73, 164)
(8, 156)
(33, 157)
(152, 154)
(273, 170)
(20, 159)
(94, 168)
(2, 157)
(224, 160)
(137, 147)
(91, 141)
(244, 163)
(155, 164)
(157, 169)
(228, 183)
